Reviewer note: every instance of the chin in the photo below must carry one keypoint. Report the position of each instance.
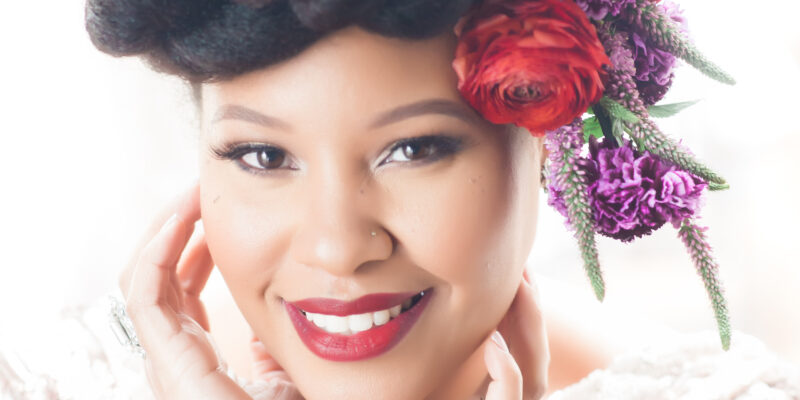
(417, 364)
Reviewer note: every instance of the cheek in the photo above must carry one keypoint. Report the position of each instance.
(468, 228)
(244, 236)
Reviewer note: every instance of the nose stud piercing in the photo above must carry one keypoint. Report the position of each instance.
(373, 233)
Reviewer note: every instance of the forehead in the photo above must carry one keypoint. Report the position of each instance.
(349, 70)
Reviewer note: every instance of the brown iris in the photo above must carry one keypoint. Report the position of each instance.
(412, 151)
(270, 158)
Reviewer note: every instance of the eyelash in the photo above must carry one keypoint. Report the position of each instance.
(445, 146)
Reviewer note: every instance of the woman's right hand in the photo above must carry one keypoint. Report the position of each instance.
(162, 287)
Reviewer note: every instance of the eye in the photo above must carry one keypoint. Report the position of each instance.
(266, 158)
(423, 149)
(254, 157)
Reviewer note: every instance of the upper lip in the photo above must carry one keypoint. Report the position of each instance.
(364, 304)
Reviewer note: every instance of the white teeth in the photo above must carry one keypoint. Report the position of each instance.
(395, 311)
(360, 322)
(355, 323)
(336, 324)
(381, 317)
(319, 319)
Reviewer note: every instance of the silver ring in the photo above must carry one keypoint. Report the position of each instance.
(122, 326)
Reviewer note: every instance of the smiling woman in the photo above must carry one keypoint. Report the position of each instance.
(369, 176)
(365, 134)
(335, 162)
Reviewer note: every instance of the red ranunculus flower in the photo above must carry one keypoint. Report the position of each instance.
(536, 64)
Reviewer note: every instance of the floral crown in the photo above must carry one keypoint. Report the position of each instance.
(586, 75)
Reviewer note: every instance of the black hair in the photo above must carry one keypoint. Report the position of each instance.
(212, 40)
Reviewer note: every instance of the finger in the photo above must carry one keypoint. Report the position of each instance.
(524, 330)
(506, 377)
(194, 269)
(263, 363)
(151, 302)
(195, 266)
(186, 204)
(275, 386)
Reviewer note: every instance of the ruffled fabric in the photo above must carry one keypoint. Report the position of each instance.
(692, 367)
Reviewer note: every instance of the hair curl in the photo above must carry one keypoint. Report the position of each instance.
(211, 40)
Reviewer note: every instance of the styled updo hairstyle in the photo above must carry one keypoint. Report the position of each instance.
(211, 40)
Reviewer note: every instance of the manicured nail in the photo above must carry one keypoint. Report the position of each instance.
(498, 340)
(170, 222)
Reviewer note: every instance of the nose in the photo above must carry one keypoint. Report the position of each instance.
(340, 232)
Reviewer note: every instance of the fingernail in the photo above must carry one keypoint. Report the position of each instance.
(498, 340)
(171, 221)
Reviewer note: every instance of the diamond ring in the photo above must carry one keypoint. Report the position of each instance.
(122, 326)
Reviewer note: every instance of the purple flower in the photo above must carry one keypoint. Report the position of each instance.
(563, 147)
(598, 9)
(619, 52)
(654, 65)
(632, 196)
(675, 13)
(653, 69)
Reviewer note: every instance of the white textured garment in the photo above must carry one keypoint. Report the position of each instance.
(85, 361)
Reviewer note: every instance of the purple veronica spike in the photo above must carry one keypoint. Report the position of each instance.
(619, 50)
(568, 185)
(694, 237)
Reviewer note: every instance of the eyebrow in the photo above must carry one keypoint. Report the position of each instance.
(429, 106)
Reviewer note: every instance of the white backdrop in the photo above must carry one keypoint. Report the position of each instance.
(92, 145)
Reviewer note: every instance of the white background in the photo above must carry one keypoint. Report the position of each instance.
(91, 146)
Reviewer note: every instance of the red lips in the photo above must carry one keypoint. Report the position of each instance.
(363, 304)
(361, 345)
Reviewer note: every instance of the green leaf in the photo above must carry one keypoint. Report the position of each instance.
(668, 110)
(713, 186)
(590, 111)
(617, 110)
(591, 127)
(617, 128)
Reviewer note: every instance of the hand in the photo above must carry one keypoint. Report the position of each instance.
(520, 373)
(523, 328)
(181, 362)
(274, 382)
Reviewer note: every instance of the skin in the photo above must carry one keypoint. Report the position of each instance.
(463, 224)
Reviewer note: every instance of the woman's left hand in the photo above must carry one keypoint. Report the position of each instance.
(516, 356)
(523, 329)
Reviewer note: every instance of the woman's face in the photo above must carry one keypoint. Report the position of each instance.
(302, 161)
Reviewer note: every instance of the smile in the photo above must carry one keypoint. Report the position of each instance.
(365, 327)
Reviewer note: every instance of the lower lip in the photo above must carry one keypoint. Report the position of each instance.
(370, 343)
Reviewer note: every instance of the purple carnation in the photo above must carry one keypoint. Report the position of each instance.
(632, 196)
(598, 9)
(653, 65)
(653, 69)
